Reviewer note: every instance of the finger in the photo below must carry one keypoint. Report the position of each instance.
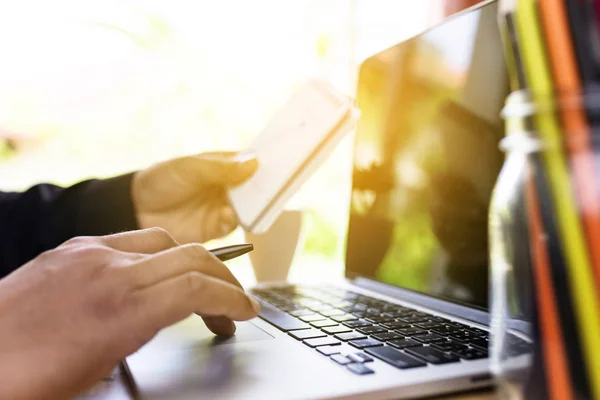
(228, 220)
(147, 241)
(220, 325)
(219, 219)
(217, 168)
(175, 299)
(177, 261)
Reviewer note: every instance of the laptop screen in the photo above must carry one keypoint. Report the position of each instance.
(426, 159)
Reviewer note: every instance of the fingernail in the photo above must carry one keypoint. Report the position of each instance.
(255, 305)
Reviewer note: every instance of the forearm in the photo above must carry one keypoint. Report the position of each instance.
(46, 215)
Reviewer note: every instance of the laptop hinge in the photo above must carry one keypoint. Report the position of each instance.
(444, 306)
(440, 305)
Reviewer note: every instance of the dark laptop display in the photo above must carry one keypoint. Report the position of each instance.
(426, 160)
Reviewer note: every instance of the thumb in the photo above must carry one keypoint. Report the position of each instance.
(229, 169)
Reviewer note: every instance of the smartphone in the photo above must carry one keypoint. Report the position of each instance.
(290, 148)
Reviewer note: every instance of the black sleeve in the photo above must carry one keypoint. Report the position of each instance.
(45, 216)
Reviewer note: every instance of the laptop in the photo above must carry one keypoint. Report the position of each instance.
(411, 318)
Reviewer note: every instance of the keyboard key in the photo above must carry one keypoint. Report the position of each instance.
(368, 314)
(449, 346)
(457, 325)
(444, 330)
(359, 357)
(280, 319)
(324, 323)
(312, 318)
(364, 343)
(414, 319)
(359, 369)
(307, 334)
(360, 314)
(308, 303)
(301, 312)
(328, 350)
(357, 324)
(427, 325)
(404, 343)
(429, 338)
(403, 314)
(483, 344)
(463, 336)
(478, 331)
(341, 304)
(340, 359)
(441, 320)
(369, 330)
(326, 341)
(394, 357)
(385, 336)
(344, 318)
(411, 332)
(432, 355)
(396, 325)
(471, 354)
(379, 319)
(282, 302)
(332, 312)
(350, 296)
(350, 336)
(321, 307)
(422, 314)
(337, 329)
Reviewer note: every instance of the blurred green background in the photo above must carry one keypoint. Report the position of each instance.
(98, 88)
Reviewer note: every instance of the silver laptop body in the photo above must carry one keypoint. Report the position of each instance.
(262, 361)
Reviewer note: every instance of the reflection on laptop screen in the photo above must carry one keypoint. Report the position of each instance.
(426, 159)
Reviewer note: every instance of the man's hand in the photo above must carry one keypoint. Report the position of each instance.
(188, 196)
(70, 315)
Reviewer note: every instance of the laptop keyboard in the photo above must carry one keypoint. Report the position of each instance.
(325, 317)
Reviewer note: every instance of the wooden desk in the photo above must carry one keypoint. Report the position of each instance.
(114, 387)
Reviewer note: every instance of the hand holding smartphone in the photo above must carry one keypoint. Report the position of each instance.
(291, 147)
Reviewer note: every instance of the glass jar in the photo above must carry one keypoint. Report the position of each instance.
(543, 220)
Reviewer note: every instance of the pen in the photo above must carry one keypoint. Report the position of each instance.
(229, 252)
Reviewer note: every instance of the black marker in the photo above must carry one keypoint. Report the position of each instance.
(229, 252)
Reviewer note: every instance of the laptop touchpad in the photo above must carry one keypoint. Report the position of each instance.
(192, 332)
(187, 357)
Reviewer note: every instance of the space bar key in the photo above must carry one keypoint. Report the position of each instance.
(280, 319)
